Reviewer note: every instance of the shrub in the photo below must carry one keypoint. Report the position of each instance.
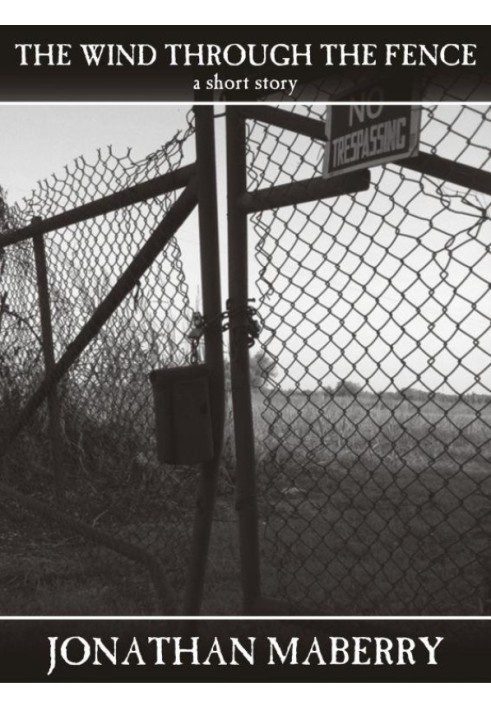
(347, 388)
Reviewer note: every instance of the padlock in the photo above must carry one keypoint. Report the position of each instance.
(182, 414)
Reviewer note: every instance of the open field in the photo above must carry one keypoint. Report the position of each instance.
(376, 504)
(368, 505)
(44, 570)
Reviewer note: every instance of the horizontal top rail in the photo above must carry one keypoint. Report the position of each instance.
(174, 180)
(310, 127)
(471, 178)
(425, 163)
(172, 221)
(303, 191)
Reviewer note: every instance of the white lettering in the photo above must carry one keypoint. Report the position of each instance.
(99, 646)
(215, 650)
(431, 648)
(237, 646)
(339, 646)
(134, 650)
(274, 648)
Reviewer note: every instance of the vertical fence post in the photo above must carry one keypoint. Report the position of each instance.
(239, 360)
(212, 308)
(55, 431)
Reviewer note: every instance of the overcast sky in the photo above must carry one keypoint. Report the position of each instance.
(38, 140)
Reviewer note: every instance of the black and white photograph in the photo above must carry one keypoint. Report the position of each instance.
(245, 359)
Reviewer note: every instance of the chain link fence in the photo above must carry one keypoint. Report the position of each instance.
(373, 426)
(371, 390)
(114, 483)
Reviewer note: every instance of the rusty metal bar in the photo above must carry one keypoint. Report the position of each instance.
(212, 306)
(174, 218)
(138, 193)
(459, 174)
(239, 361)
(310, 127)
(139, 555)
(55, 431)
(304, 191)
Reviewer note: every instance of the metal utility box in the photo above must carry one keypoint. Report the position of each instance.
(182, 414)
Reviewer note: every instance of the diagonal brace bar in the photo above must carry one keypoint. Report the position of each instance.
(310, 127)
(304, 191)
(471, 178)
(132, 195)
(174, 218)
(457, 173)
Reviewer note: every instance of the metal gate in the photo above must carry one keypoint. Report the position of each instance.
(92, 298)
(362, 419)
(363, 451)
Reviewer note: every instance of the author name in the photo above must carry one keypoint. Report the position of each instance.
(219, 651)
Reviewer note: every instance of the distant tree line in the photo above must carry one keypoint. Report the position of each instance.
(347, 387)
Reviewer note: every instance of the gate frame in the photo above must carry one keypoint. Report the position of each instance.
(212, 315)
(200, 189)
(199, 184)
(184, 178)
(240, 204)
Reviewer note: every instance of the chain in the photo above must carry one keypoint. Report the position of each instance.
(254, 323)
(195, 336)
(200, 325)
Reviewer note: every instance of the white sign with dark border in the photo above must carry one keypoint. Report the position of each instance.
(368, 132)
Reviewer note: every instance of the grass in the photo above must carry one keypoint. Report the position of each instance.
(51, 574)
(368, 505)
(376, 504)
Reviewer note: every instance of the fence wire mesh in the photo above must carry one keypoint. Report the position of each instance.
(373, 425)
(113, 480)
(372, 388)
